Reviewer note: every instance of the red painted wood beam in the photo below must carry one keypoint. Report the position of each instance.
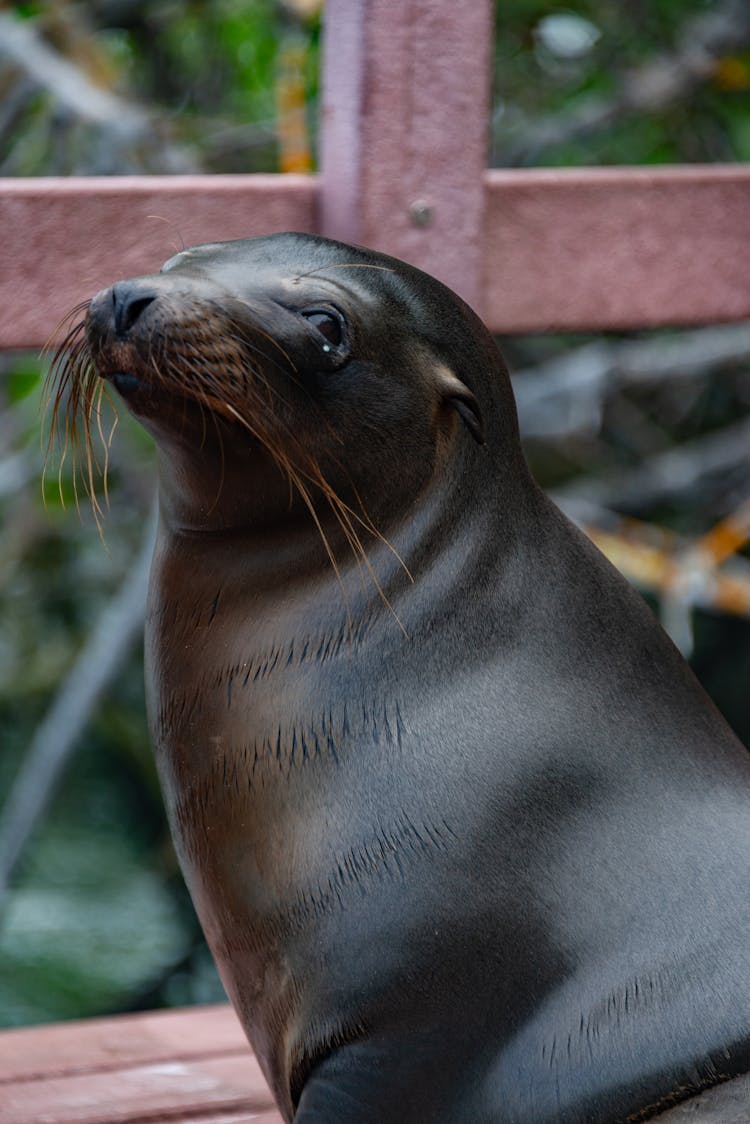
(571, 249)
(63, 239)
(605, 248)
(404, 132)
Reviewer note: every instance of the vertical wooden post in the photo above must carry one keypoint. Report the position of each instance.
(404, 131)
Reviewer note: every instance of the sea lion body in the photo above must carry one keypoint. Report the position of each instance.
(467, 840)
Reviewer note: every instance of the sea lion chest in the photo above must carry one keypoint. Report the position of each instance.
(281, 757)
(245, 717)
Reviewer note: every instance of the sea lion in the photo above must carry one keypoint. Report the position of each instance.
(467, 840)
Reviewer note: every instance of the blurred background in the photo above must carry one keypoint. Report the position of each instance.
(644, 438)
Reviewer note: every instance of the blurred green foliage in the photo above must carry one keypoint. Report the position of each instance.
(205, 70)
(553, 62)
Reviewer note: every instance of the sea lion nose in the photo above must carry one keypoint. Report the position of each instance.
(129, 300)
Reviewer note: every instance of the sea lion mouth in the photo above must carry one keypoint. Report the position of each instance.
(189, 354)
(132, 387)
(127, 383)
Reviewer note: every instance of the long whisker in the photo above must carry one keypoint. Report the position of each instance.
(345, 515)
(74, 394)
(77, 311)
(345, 265)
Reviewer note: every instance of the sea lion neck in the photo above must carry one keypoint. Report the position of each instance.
(208, 505)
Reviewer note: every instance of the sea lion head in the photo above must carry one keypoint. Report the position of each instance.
(294, 360)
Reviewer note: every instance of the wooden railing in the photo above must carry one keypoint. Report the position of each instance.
(403, 149)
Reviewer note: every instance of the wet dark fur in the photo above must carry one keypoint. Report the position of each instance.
(488, 866)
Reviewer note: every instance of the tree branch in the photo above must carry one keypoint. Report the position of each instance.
(55, 738)
(565, 395)
(131, 136)
(665, 476)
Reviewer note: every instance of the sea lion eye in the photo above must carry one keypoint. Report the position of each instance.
(327, 323)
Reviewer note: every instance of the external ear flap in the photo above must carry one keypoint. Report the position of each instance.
(457, 394)
(468, 408)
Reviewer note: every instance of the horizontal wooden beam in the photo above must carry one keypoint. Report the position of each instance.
(64, 239)
(563, 250)
(599, 248)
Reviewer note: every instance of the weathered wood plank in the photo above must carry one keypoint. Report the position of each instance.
(177, 1065)
(63, 239)
(87, 1045)
(177, 1090)
(617, 247)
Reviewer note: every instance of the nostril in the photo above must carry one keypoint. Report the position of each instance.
(128, 303)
